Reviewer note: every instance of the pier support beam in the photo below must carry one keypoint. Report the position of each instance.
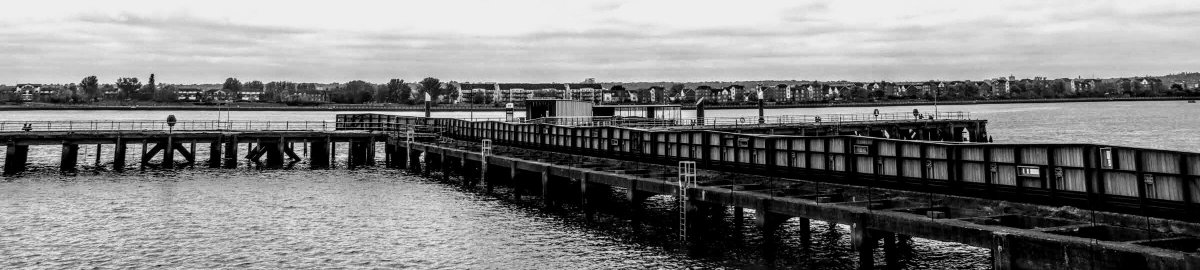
(231, 153)
(863, 241)
(15, 158)
(636, 200)
(274, 153)
(320, 154)
(214, 153)
(119, 151)
(70, 158)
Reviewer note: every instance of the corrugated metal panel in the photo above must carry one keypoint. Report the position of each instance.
(837, 145)
(800, 161)
(760, 157)
(1160, 162)
(1003, 154)
(971, 153)
(866, 165)
(1127, 161)
(1120, 183)
(941, 170)
(839, 162)
(1072, 180)
(887, 148)
(1033, 155)
(889, 166)
(781, 158)
(1166, 188)
(818, 161)
(973, 172)
(799, 144)
(1006, 175)
(816, 145)
(912, 168)
(910, 150)
(935, 151)
(1069, 156)
(1194, 161)
(1194, 186)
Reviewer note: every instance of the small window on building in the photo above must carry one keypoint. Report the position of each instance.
(862, 149)
(1029, 171)
(1106, 158)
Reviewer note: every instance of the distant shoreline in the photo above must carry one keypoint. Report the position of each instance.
(445, 108)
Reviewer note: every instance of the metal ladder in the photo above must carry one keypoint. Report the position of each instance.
(687, 180)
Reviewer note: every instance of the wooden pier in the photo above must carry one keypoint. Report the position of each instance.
(1035, 206)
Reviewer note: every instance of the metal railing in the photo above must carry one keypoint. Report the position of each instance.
(145, 125)
(747, 120)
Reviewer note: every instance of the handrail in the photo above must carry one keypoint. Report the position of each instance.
(150, 125)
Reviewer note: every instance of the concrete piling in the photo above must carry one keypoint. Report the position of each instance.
(70, 158)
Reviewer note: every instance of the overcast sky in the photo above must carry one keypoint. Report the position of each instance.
(566, 41)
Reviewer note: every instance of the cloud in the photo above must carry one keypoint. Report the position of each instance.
(611, 40)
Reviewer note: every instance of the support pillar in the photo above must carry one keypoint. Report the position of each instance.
(483, 175)
(231, 153)
(863, 241)
(1002, 251)
(119, 150)
(636, 200)
(514, 182)
(546, 193)
(891, 251)
(585, 198)
(320, 154)
(99, 152)
(214, 153)
(274, 154)
(70, 158)
(168, 153)
(444, 167)
(431, 162)
(15, 158)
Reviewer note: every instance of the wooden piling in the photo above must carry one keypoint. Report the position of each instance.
(69, 158)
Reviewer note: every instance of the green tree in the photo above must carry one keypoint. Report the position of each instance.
(90, 87)
(397, 91)
(167, 94)
(431, 85)
(452, 91)
(126, 87)
(232, 85)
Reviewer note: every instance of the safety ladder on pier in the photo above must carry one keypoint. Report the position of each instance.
(687, 180)
(486, 150)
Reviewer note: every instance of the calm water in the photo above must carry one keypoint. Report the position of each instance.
(245, 218)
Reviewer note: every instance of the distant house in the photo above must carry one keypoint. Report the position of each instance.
(519, 92)
(584, 91)
(188, 94)
(27, 91)
(249, 94)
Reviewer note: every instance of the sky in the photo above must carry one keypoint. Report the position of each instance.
(48, 41)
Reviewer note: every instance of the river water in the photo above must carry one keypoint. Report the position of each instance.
(377, 218)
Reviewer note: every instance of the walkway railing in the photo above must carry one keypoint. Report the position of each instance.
(146, 125)
(747, 120)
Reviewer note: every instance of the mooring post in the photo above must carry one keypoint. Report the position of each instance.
(15, 158)
(484, 153)
(99, 151)
(192, 163)
(516, 183)
(761, 116)
(70, 157)
(142, 159)
(443, 167)
(546, 200)
(119, 150)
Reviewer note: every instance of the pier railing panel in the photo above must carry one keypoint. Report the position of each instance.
(1112, 175)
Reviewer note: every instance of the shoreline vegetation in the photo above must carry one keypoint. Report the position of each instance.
(252, 106)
